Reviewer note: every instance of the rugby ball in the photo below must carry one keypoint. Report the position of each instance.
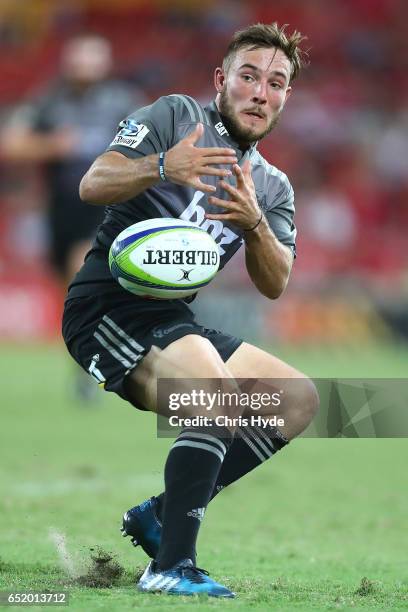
(164, 258)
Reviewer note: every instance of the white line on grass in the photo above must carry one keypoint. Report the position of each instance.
(42, 488)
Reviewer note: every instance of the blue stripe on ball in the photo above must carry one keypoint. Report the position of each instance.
(119, 246)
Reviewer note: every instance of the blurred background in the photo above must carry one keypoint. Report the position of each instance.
(342, 140)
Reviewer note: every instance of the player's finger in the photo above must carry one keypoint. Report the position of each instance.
(240, 175)
(223, 203)
(197, 184)
(209, 171)
(195, 135)
(247, 168)
(217, 159)
(212, 151)
(229, 189)
(225, 217)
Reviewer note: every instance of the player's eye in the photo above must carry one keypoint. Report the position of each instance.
(247, 77)
(276, 85)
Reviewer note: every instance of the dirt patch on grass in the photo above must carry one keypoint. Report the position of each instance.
(103, 571)
(367, 587)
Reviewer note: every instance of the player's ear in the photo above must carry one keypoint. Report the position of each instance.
(219, 79)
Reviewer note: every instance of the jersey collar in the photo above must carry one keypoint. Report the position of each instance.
(214, 116)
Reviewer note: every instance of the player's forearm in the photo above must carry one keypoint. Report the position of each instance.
(267, 260)
(24, 146)
(114, 178)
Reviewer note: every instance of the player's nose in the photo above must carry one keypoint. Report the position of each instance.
(260, 92)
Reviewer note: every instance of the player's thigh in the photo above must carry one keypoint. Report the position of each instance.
(272, 375)
(189, 357)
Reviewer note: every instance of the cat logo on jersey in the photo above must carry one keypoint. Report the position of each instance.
(130, 134)
(221, 129)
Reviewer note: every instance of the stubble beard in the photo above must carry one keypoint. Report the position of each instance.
(242, 135)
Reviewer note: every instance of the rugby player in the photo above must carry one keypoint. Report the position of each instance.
(65, 129)
(176, 158)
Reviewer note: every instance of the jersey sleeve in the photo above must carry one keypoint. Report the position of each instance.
(149, 130)
(280, 217)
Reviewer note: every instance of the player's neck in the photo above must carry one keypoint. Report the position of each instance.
(229, 126)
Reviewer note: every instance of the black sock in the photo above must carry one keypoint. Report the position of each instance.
(251, 447)
(190, 475)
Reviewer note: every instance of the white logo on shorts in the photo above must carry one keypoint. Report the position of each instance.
(93, 370)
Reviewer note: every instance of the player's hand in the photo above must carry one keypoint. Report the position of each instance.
(242, 208)
(63, 143)
(185, 163)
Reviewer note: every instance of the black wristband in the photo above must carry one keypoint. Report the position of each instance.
(256, 224)
(161, 167)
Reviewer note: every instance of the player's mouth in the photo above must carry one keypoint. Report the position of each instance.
(254, 115)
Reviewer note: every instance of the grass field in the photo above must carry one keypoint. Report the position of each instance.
(322, 526)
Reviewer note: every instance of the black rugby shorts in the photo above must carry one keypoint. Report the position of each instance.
(108, 335)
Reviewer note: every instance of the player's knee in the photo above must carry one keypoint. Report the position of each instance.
(309, 399)
(301, 399)
(147, 368)
(196, 357)
(198, 373)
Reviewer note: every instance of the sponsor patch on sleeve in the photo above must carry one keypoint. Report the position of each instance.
(130, 134)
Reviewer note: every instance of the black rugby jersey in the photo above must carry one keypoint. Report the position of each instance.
(93, 114)
(157, 128)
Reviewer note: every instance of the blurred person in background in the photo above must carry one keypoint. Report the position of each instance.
(64, 129)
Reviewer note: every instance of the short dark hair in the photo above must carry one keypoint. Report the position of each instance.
(262, 35)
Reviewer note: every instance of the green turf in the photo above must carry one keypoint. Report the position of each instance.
(321, 526)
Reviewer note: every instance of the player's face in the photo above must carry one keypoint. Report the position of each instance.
(86, 59)
(253, 92)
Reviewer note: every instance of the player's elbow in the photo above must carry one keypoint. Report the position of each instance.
(88, 190)
(273, 294)
(85, 191)
(275, 289)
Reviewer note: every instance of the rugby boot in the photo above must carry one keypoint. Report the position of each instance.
(182, 579)
(144, 527)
